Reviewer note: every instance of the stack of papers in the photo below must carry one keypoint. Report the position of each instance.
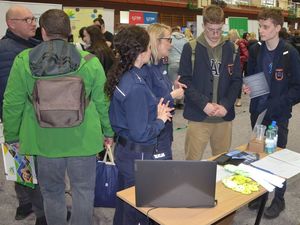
(284, 163)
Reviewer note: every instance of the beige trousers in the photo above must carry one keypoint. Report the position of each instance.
(199, 133)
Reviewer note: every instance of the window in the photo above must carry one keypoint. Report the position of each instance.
(268, 2)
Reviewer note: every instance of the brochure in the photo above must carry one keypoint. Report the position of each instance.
(19, 168)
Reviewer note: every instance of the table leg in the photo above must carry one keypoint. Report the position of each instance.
(260, 212)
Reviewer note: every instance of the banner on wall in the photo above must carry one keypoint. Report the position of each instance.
(238, 23)
(81, 17)
(141, 17)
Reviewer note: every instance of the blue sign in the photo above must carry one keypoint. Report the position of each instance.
(150, 17)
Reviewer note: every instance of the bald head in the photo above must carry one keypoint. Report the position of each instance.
(20, 21)
(17, 10)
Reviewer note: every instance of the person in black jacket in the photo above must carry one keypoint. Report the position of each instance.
(280, 63)
(213, 81)
(108, 36)
(21, 28)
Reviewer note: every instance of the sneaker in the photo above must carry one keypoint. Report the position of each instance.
(41, 221)
(255, 204)
(276, 207)
(23, 211)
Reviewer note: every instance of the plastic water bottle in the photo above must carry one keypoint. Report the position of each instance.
(270, 140)
(275, 128)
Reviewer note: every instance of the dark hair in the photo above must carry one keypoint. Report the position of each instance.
(245, 35)
(81, 31)
(99, 19)
(99, 47)
(274, 14)
(129, 43)
(56, 23)
(213, 14)
(95, 34)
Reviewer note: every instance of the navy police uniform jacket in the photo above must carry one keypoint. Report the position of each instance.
(161, 86)
(133, 109)
(199, 82)
(284, 82)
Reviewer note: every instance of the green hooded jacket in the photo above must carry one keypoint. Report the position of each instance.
(20, 123)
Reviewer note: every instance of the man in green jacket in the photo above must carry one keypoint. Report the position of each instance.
(58, 150)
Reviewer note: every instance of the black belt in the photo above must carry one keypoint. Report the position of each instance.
(136, 147)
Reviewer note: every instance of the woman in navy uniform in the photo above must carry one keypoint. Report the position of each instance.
(136, 116)
(158, 81)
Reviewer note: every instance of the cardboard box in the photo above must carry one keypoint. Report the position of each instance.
(256, 145)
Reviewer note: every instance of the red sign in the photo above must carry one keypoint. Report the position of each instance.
(136, 17)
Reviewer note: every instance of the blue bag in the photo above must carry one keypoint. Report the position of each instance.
(106, 181)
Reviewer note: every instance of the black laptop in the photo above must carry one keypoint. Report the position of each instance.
(175, 184)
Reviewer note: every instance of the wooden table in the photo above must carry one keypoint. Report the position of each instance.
(228, 201)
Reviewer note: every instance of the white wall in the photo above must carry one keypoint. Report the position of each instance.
(36, 8)
(109, 19)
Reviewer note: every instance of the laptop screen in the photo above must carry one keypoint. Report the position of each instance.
(171, 183)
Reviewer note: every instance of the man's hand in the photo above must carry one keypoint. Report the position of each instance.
(220, 110)
(246, 89)
(209, 109)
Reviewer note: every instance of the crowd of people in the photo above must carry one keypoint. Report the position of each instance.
(133, 82)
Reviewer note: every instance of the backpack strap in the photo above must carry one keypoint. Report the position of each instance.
(193, 44)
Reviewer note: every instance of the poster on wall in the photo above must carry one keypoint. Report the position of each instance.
(81, 17)
(142, 17)
(36, 8)
(238, 23)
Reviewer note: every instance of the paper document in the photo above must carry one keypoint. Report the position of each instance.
(278, 167)
(287, 156)
(222, 173)
(1, 133)
(258, 84)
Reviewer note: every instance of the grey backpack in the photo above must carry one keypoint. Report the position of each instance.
(60, 101)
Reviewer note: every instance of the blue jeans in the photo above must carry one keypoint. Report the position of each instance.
(82, 175)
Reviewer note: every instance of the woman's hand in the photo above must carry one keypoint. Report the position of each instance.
(177, 93)
(164, 111)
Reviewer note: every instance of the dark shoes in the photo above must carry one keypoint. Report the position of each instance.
(23, 211)
(254, 204)
(273, 211)
(276, 207)
(41, 221)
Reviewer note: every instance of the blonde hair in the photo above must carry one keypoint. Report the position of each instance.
(233, 35)
(188, 34)
(156, 31)
(252, 36)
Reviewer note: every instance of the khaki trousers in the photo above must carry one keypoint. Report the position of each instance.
(199, 133)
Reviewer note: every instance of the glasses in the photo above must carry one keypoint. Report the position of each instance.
(214, 31)
(168, 39)
(28, 20)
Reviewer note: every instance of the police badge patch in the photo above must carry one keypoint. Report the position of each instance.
(230, 69)
(279, 74)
